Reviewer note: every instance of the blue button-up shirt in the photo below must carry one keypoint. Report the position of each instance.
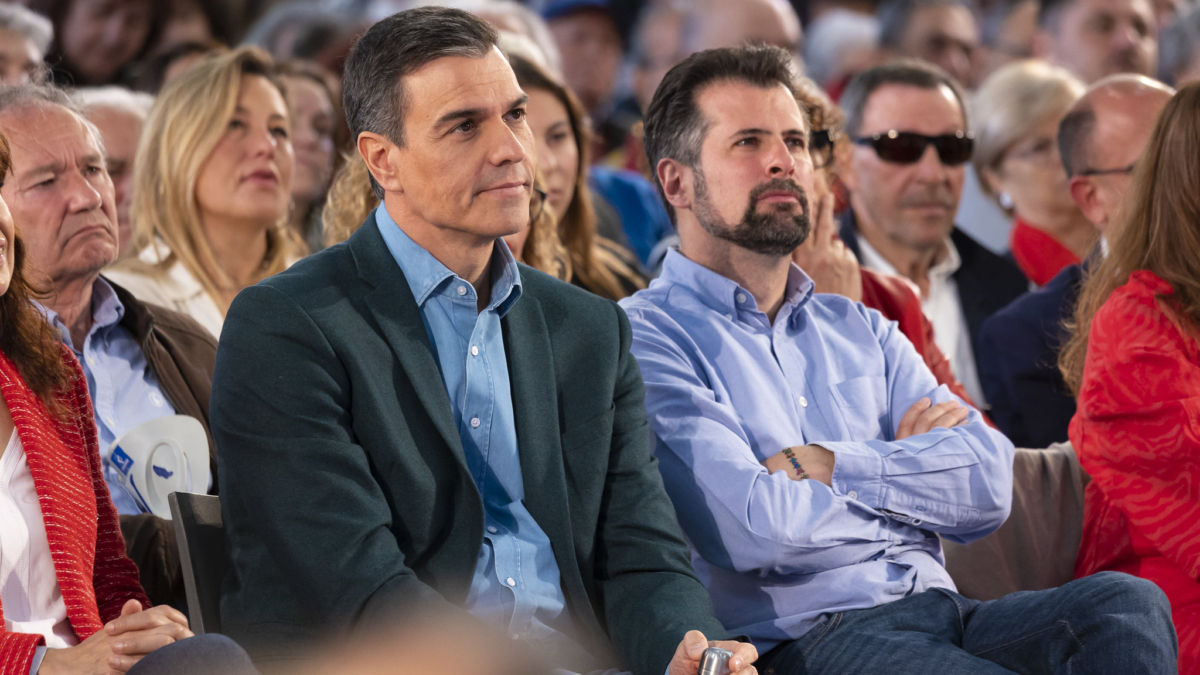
(726, 388)
(124, 391)
(516, 584)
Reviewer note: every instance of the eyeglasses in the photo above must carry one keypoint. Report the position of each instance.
(1107, 172)
(905, 147)
(820, 148)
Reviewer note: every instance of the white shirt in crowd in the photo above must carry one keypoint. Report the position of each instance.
(943, 308)
(29, 592)
(175, 289)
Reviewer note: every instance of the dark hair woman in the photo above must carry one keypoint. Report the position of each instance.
(96, 41)
(1133, 360)
(560, 130)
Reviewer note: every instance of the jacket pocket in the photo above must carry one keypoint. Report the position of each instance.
(863, 405)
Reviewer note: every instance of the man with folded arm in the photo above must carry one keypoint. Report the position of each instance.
(811, 456)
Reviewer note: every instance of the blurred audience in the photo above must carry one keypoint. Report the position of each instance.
(560, 133)
(1134, 362)
(941, 32)
(832, 266)
(97, 42)
(539, 245)
(908, 123)
(25, 38)
(210, 201)
(1100, 141)
(141, 362)
(512, 17)
(840, 44)
(590, 43)
(119, 115)
(1007, 28)
(1015, 115)
(154, 73)
(1179, 56)
(319, 136)
(1096, 38)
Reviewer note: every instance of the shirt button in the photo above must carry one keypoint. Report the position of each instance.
(729, 316)
(462, 290)
(511, 582)
(474, 350)
(156, 399)
(852, 494)
(475, 422)
(109, 421)
(803, 402)
(492, 529)
(91, 360)
(741, 297)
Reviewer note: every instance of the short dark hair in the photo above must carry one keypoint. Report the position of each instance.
(906, 72)
(372, 86)
(1074, 131)
(674, 125)
(894, 16)
(1049, 11)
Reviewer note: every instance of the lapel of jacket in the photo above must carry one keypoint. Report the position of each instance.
(60, 480)
(535, 408)
(395, 310)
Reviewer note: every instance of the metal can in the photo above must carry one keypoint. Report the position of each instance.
(715, 661)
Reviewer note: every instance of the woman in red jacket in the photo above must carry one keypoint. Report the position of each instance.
(1134, 363)
(70, 600)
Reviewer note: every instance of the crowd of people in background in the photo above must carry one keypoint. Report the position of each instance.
(834, 262)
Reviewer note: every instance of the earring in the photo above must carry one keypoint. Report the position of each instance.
(1006, 201)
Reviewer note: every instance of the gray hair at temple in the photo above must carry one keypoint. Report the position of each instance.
(112, 96)
(373, 83)
(23, 21)
(36, 95)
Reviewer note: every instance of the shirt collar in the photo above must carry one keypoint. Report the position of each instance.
(426, 274)
(107, 310)
(722, 294)
(945, 267)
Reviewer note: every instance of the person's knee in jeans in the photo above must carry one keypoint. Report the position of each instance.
(209, 654)
(1138, 605)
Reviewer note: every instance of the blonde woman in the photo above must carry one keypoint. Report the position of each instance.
(212, 187)
(1015, 115)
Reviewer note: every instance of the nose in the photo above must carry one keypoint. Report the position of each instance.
(82, 195)
(263, 143)
(780, 162)
(1125, 36)
(506, 146)
(930, 168)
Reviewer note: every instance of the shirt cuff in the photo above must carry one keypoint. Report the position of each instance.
(36, 663)
(857, 472)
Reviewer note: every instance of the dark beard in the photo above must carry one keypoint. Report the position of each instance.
(776, 232)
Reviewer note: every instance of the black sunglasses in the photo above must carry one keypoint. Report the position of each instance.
(905, 147)
(820, 148)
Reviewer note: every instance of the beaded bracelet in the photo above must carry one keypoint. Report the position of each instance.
(800, 472)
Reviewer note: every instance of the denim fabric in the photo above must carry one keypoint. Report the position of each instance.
(210, 654)
(1106, 623)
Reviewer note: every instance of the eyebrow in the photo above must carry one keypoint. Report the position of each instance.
(764, 132)
(471, 113)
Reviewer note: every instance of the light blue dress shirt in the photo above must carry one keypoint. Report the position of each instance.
(726, 389)
(124, 391)
(516, 584)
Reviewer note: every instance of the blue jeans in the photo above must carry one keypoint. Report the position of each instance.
(209, 654)
(1106, 623)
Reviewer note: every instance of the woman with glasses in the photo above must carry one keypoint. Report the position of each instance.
(1016, 114)
(1133, 361)
(834, 268)
(559, 128)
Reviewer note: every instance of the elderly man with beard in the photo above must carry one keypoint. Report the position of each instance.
(810, 454)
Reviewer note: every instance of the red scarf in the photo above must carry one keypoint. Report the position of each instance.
(1040, 256)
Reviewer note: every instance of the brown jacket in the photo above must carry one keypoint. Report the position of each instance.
(181, 354)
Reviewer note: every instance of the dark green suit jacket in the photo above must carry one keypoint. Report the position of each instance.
(345, 489)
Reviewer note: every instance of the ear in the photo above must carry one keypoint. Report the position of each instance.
(992, 179)
(676, 180)
(1084, 194)
(380, 155)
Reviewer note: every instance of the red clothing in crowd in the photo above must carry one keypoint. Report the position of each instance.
(94, 575)
(1137, 432)
(896, 300)
(1040, 256)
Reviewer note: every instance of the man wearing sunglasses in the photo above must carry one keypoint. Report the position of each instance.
(911, 146)
(811, 456)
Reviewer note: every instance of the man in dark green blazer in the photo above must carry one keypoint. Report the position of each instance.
(410, 421)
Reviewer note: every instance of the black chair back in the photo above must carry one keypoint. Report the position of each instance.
(200, 535)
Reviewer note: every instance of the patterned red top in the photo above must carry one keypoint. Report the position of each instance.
(94, 575)
(1137, 432)
(1040, 256)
